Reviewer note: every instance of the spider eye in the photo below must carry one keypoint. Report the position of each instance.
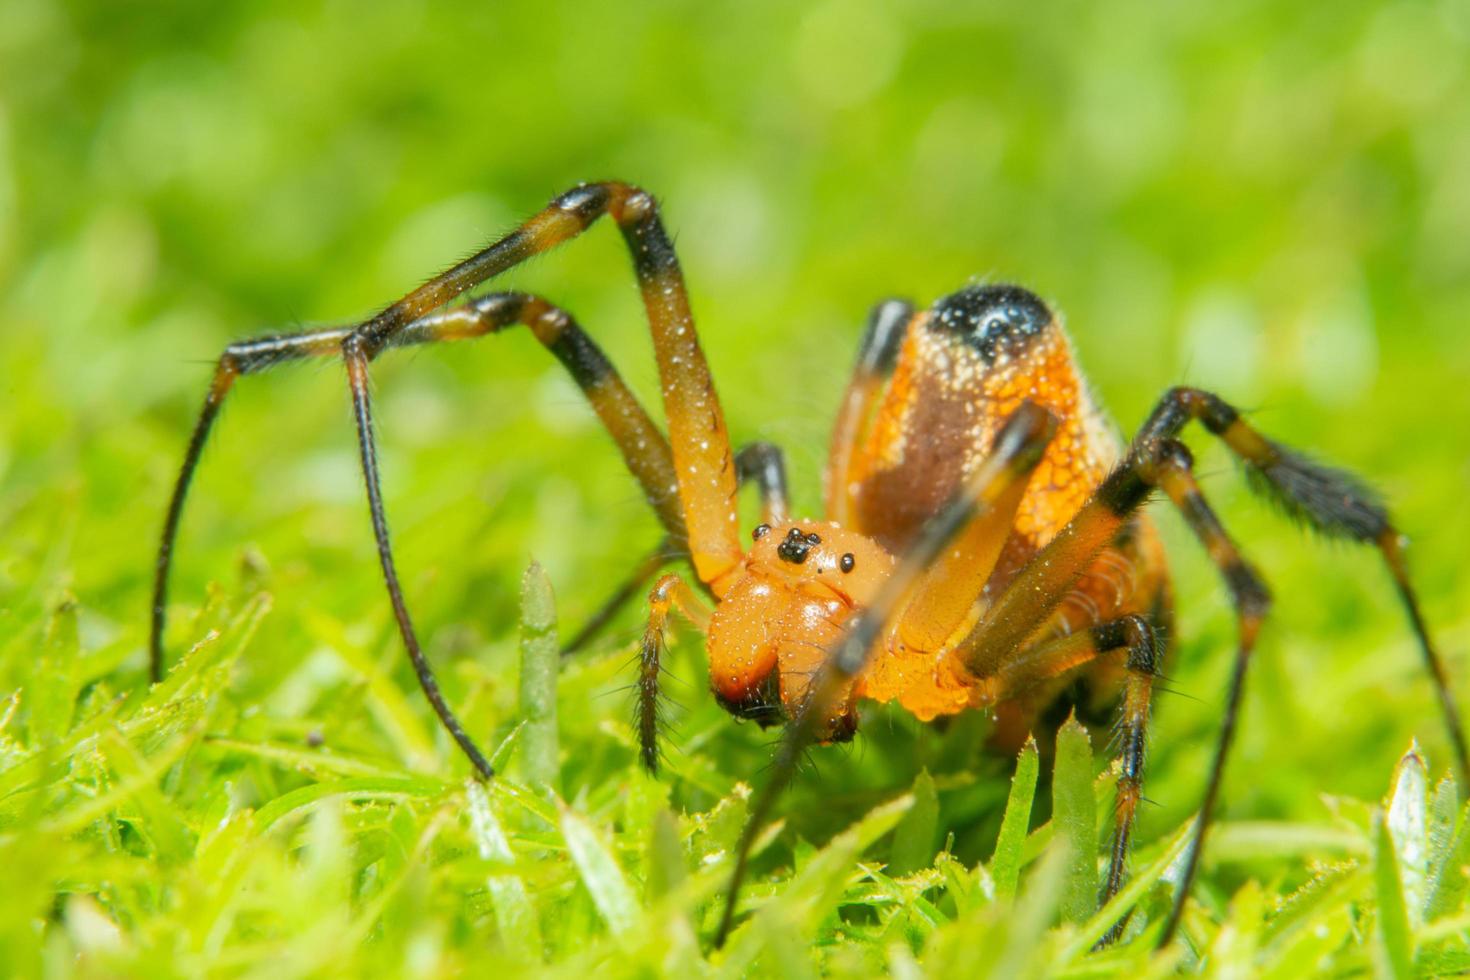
(847, 562)
(796, 546)
(761, 530)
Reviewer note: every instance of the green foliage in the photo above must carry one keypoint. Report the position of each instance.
(1264, 199)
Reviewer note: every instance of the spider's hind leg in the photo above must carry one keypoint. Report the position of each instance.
(1334, 502)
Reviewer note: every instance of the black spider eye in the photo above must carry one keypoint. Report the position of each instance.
(848, 562)
(761, 530)
(796, 546)
(813, 539)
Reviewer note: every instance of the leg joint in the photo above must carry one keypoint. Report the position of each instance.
(1136, 634)
(1252, 597)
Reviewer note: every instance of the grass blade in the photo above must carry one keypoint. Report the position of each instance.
(600, 872)
(540, 660)
(1393, 941)
(1074, 811)
(520, 930)
(913, 838)
(1005, 866)
(1407, 821)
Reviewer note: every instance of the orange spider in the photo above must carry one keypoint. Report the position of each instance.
(983, 545)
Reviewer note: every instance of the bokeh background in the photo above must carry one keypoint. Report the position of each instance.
(1267, 199)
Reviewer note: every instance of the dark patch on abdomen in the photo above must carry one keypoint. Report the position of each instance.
(992, 318)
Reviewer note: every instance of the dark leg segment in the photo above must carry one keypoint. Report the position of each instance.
(363, 416)
(877, 355)
(248, 357)
(764, 464)
(1174, 474)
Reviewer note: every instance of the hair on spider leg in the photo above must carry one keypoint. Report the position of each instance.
(1177, 692)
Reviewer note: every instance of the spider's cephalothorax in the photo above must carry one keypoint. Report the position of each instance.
(983, 545)
(783, 610)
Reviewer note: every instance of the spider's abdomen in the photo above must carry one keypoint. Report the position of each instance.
(964, 366)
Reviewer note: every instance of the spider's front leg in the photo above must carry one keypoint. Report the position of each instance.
(1018, 448)
(642, 445)
(698, 448)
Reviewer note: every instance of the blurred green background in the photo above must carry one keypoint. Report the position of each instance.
(1267, 199)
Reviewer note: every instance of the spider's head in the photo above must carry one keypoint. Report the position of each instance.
(800, 583)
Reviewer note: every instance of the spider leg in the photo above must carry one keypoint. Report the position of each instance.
(1039, 587)
(1327, 499)
(877, 355)
(669, 593)
(248, 357)
(697, 435)
(762, 462)
(765, 464)
(1053, 658)
(1018, 446)
(1333, 502)
(643, 446)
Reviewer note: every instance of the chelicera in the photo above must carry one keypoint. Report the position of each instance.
(983, 545)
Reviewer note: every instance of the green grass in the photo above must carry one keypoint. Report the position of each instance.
(1264, 199)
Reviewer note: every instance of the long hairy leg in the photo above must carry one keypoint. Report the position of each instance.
(642, 445)
(1333, 502)
(1329, 500)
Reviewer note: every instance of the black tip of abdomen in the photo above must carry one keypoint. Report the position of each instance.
(991, 318)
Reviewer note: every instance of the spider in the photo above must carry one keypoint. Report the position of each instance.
(984, 542)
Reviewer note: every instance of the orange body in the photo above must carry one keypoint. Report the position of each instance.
(927, 429)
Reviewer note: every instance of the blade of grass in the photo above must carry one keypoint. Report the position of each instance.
(540, 660)
(1005, 865)
(600, 873)
(365, 788)
(913, 838)
(1407, 822)
(1393, 943)
(520, 930)
(1448, 886)
(1074, 811)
